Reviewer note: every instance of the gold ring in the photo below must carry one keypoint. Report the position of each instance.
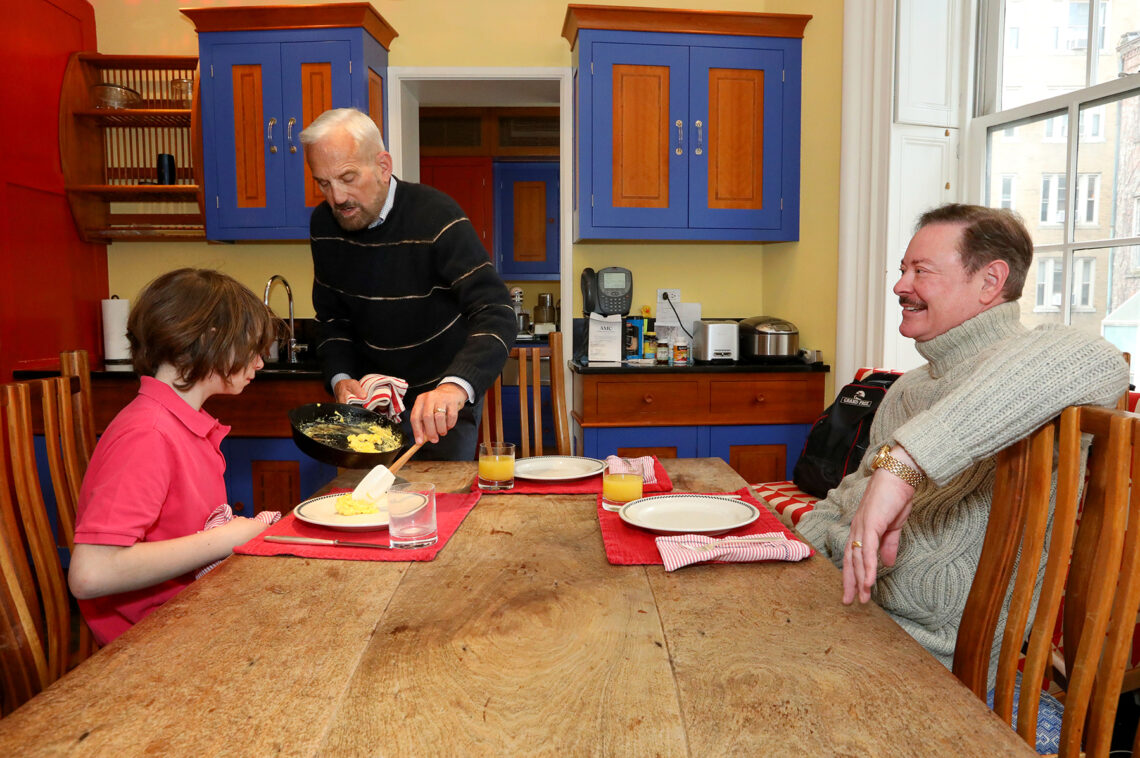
(441, 410)
(856, 543)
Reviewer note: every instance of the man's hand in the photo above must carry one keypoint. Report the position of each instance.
(437, 411)
(875, 530)
(346, 387)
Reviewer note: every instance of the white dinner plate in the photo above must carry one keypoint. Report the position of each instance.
(555, 468)
(688, 514)
(321, 511)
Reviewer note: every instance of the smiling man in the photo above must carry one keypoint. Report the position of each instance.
(907, 527)
(402, 286)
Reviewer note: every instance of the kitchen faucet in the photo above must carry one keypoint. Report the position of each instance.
(293, 348)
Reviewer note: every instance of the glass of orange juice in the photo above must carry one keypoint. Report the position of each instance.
(496, 466)
(619, 488)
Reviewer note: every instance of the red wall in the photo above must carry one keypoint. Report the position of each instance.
(50, 281)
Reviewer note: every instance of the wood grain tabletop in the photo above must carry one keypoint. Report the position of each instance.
(518, 639)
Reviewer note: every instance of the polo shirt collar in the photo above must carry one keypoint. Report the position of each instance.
(198, 422)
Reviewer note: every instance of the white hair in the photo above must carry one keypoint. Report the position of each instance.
(358, 124)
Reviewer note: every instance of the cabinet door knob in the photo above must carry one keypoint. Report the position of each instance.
(289, 134)
(648, 399)
(700, 138)
(760, 400)
(680, 138)
(269, 134)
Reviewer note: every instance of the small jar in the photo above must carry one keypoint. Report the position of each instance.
(664, 353)
(649, 346)
(681, 354)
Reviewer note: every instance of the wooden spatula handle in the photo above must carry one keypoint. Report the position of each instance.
(404, 458)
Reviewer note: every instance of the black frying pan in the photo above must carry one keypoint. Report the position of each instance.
(331, 444)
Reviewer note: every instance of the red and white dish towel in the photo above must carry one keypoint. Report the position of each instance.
(224, 514)
(383, 394)
(642, 466)
(684, 549)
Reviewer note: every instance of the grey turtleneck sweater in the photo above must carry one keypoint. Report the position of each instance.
(987, 383)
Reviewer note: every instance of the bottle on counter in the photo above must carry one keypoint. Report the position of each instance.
(544, 314)
(649, 346)
(681, 353)
(664, 353)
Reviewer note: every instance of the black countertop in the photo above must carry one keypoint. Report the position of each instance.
(784, 367)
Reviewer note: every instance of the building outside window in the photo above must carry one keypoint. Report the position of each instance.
(1087, 219)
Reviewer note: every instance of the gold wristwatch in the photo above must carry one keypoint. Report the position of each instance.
(884, 459)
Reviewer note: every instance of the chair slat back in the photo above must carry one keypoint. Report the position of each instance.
(75, 363)
(1086, 558)
(41, 582)
(530, 400)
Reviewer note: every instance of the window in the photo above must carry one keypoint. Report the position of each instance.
(1077, 33)
(1007, 181)
(1088, 176)
(1088, 192)
(1050, 284)
(1052, 198)
(1084, 272)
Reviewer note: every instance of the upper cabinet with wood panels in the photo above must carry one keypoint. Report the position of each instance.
(688, 123)
(266, 73)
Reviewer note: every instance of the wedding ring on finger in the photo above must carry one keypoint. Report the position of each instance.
(441, 410)
(856, 543)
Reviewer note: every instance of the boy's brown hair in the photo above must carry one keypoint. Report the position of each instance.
(200, 321)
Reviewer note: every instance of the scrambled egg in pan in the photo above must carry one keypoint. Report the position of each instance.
(377, 439)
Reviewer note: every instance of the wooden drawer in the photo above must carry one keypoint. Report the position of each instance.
(671, 401)
(764, 401)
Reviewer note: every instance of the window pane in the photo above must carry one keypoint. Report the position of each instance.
(1035, 171)
(1111, 160)
(1118, 319)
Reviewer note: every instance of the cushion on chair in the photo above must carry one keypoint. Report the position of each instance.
(786, 499)
(1049, 714)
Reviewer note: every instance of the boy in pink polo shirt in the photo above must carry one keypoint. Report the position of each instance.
(156, 474)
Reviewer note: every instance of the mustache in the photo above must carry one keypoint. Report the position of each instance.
(906, 301)
(347, 205)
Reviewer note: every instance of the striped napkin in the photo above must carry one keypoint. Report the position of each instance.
(642, 466)
(684, 549)
(383, 394)
(224, 514)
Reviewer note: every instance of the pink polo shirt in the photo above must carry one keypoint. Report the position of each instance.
(156, 474)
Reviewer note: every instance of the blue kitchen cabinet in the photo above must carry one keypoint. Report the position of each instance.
(682, 441)
(526, 234)
(686, 136)
(765, 452)
(265, 77)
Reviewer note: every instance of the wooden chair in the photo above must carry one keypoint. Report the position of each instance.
(36, 616)
(1093, 562)
(530, 408)
(75, 363)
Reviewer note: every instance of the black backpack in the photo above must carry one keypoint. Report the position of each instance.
(838, 438)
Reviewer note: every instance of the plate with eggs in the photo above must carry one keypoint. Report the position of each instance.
(342, 511)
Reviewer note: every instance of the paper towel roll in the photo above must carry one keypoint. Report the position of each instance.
(116, 348)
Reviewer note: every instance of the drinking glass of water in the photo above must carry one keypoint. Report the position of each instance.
(411, 515)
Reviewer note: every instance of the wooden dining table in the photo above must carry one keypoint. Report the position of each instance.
(520, 638)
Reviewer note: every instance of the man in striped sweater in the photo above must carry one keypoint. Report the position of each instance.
(402, 286)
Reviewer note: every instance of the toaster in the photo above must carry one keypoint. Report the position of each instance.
(716, 341)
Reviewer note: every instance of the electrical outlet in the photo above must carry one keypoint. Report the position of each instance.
(669, 294)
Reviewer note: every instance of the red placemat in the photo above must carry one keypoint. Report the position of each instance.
(585, 486)
(629, 546)
(450, 510)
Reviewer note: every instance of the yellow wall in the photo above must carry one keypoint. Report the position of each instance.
(796, 281)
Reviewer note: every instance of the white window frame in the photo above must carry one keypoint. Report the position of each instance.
(1050, 272)
(986, 118)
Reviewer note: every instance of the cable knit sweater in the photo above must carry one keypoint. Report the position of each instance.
(988, 383)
